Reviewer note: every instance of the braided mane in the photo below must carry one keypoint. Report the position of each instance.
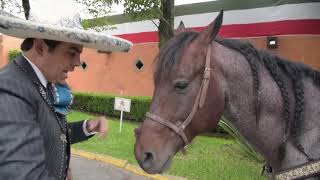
(280, 69)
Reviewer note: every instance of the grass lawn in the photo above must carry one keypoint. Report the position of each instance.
(208, 158)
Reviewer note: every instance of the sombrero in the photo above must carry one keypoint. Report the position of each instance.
(65, 30)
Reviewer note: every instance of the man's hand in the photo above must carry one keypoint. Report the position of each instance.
(99, 124)
(69, 174)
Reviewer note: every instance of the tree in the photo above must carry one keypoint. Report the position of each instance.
(140, 9)
(162, 9)
(16, 7)
(26, 8)
(165, 29)
(97, 7)
(11, 6)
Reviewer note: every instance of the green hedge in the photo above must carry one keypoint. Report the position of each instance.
(13, 53)
(104, 104)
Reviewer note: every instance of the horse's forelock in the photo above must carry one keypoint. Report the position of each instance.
(171, 53)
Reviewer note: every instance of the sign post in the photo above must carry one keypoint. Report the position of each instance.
(122, 104)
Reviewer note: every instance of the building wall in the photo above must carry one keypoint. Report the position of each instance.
(7, 43)
(116, 73)
(295, 23)
(302, 48)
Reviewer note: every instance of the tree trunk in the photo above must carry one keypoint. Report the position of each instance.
(166, 21)
(2, 4)
(26, 8)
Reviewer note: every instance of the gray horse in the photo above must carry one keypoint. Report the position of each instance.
(274, 103)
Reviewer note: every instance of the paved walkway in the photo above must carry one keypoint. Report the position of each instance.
(91, 166)
(86, 169)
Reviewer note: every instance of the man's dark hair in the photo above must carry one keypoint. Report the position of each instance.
(27, 44)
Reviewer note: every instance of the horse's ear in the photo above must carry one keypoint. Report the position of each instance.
(180, 29)
(211, 31)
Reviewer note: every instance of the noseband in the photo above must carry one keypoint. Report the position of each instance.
(179, 129)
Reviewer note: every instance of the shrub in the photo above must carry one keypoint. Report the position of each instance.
(13, 53)
(104, 104)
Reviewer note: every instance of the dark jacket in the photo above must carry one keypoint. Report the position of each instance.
(33, 141)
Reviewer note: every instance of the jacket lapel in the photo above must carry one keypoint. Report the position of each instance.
(23, 64)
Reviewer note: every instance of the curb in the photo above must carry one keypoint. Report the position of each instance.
(116, 162)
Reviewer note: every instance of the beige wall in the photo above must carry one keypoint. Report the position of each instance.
(7, 44)
(304, 49)
(115, 73)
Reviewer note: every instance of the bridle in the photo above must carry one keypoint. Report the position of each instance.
(179, 129)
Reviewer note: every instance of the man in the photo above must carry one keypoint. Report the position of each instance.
(34, 139)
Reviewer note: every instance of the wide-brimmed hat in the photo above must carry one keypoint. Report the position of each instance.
(66, 30)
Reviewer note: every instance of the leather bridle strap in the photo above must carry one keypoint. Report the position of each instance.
(179, 129)
(206, 78)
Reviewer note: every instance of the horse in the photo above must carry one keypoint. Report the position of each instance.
(200, 77)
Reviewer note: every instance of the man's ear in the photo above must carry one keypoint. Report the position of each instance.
(39, 46)
(210, 32)
(181, 28)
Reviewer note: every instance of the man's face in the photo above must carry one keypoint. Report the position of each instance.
(62, 60)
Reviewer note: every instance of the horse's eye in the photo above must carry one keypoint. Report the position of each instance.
(181, 85)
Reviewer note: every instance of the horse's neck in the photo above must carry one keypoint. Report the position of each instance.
(241, 102)
(238, 86)
(266, 131)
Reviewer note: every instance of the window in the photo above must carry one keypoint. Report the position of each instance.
(83, 65)
(139, 64)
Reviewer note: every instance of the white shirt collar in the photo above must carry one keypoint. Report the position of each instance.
(39, 74)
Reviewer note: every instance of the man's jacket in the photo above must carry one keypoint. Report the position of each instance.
(34, 140)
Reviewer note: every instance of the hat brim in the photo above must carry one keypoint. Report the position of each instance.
(20, 28)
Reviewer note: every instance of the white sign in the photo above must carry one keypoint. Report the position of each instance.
(122, 104)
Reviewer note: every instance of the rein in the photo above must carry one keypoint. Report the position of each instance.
(179, 129)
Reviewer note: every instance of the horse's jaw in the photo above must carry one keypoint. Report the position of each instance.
(163, 168)
(166, 165)
(155, 157)
(153, 164)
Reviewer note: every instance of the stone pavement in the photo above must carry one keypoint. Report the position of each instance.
(86, 169)
(97, 166)
(91, 166)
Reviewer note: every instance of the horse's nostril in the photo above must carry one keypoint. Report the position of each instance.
(148, 156)
(148, 159)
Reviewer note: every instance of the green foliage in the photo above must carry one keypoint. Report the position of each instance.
(104, 104)
(97, 7)
(135, 9)
(98, 24)
(11, 6)
(246, 148)
(141, 8)
(13, 53)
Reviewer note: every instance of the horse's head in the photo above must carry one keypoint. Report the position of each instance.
(180, 108)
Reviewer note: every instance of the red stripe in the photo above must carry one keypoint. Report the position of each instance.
(141, 37)
(287, 27)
